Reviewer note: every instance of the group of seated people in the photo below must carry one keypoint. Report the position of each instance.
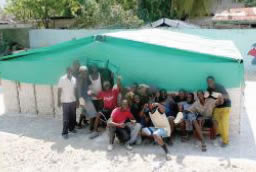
(140, 113)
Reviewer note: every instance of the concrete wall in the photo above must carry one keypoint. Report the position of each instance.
(11, 97)
(47, 37)
(27, 98)
(45, 100)
(32, 99)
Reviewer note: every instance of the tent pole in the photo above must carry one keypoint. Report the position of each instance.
(35, 99)
(18, 95)
(53, 102)
(242, 88)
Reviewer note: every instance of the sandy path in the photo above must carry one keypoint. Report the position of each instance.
(30, 143)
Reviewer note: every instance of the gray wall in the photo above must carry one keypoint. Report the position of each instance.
(48, 37)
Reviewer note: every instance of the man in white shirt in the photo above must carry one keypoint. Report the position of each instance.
(67, 97)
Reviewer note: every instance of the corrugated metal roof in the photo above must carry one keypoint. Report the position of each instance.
(241, 15)
(15, 26)
(172, 23)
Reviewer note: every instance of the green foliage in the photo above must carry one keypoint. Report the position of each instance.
(107, 13)
(150, 10)
(128, 4)
(41, 10)
(192, 8)
(89, 14)
(248, 3)
(102, 14)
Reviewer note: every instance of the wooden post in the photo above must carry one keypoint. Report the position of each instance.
(18, 95)
(53, 102)
(35, 99)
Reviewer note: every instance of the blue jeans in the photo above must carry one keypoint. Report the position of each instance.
(155, 131)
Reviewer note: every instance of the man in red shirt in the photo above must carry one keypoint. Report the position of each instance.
(117, 124)
(109, 97)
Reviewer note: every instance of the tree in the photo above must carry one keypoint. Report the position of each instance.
(41, 10)
(112, 14)
(89, 14)
(128, 4)
(150, 10)
(191, 8)
(248, 3)
(107, 14)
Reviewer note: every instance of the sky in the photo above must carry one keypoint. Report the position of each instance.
(2, 3)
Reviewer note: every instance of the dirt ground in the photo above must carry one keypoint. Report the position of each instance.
(29, 143)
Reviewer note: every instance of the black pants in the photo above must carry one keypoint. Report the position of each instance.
(98, 105)
(69, 117)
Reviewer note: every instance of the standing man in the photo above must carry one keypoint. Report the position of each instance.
(222, 111)
(67, 97)
(109, 97)
(88, 110)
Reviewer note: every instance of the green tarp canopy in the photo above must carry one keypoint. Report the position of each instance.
(162, 58)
